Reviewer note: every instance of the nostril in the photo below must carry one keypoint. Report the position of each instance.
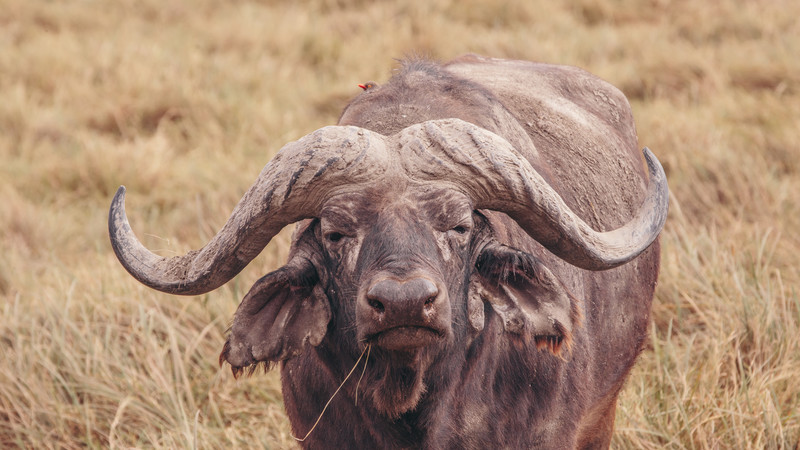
(429, 304)
(393, 297)
(376, 304)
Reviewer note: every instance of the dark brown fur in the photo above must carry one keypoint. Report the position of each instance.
(500, 371)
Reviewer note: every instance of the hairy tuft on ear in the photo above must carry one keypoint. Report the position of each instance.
(503, 264)
(531, 301)
(282, 313)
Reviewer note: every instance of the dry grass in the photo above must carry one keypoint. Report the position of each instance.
(184, 102)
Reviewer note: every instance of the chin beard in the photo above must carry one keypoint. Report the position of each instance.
(396, 381)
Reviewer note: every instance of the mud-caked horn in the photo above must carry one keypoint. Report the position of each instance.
(291, 187)
(489, 170)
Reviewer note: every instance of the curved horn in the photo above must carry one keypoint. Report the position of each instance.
(291, 187)
(497, 177)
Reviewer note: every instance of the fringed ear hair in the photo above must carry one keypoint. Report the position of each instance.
(532, 302)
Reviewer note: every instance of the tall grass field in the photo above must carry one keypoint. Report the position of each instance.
(185, 101)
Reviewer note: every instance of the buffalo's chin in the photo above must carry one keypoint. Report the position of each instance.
(405, 338)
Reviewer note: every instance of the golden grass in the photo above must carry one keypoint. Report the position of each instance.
(184, 102)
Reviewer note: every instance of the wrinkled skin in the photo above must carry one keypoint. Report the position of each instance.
(518, 349)
(408, 392)
(462, 326)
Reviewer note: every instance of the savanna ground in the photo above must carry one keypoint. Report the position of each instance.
(185, 101)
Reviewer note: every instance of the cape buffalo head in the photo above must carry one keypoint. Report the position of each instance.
(395, 251)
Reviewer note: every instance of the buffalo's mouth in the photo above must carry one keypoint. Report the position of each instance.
(406, 337)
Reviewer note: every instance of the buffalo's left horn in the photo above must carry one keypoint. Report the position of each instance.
(490, 171)
(291, 187)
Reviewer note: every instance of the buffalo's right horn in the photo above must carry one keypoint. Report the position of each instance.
(291, 187)
(497, 177)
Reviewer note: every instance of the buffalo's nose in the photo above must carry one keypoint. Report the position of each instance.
(406, 296)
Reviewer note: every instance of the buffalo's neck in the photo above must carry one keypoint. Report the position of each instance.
(467, 390)
(422, 385)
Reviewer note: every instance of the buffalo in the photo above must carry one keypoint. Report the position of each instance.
(477, 240)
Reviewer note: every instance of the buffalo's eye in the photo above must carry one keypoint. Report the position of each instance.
(334, 236)
(460, 229)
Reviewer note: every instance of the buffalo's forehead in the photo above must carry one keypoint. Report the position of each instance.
(396, 202)
(397, 228)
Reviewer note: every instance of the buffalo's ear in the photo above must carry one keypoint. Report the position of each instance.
(283, 311)
(530, 300)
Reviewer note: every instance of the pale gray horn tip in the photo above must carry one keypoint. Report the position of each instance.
(653, 163)
(118, 224)
(659, 187)
(116, 210)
